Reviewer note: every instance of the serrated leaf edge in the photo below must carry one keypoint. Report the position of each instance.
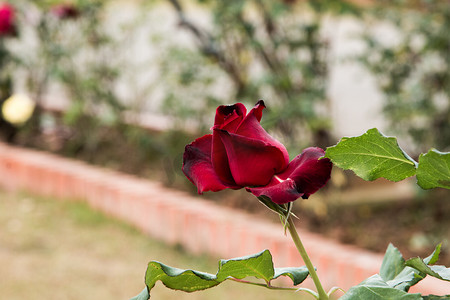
(423, 182)
(214, 279)
(372, 176)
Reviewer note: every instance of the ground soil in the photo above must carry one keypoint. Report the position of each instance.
(58, 250)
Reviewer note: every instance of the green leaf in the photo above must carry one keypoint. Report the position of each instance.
(398, 274)
(259, 265)
(433, 258)
(406, 279)
(434, 170)
(393, 263)
(371, 156)
(395, 273)
(298, 275)
(144, 295)
(178, 279)
(440, 272)
(375, 288)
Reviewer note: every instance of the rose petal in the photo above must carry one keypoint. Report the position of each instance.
(252, 162)
(228, 117)
(305, 175)
(220, 160)
(309, 171)
(251, 128)
(198, 168)
(278, 192)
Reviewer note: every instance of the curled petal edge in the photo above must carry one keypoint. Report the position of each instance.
(305, 175)
(198, 168)
(278, 192)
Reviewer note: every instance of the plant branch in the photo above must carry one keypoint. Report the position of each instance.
(208, 47)
(264, 285)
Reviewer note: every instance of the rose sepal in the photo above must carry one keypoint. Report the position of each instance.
(283, 210)
(278, 208)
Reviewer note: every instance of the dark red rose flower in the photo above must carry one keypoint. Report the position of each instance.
(240, 153)
(65, 11)
(7, 22)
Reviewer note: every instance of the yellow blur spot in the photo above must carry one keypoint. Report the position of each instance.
(17, 109)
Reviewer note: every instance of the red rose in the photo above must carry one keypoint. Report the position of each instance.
(7, 26)
(240, 153)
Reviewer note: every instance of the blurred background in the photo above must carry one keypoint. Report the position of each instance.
(127, 84)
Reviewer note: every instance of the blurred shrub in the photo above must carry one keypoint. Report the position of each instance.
(271, 50)
(8, 30)
(413, 68)
(73, 48)
(73, 58)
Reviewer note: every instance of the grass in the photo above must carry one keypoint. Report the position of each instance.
(52, 249)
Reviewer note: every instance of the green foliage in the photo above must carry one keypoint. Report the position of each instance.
(397, 276)
(297, 274)
(393, 264)
(371, 156)
(375, 288)
(393, 282)
(440, 272)
(434, 170)
(259, 265)
(84, 61)
(396, 273)
(413, 71)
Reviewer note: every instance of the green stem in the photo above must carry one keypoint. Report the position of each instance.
(263, 285)
(301, 249)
